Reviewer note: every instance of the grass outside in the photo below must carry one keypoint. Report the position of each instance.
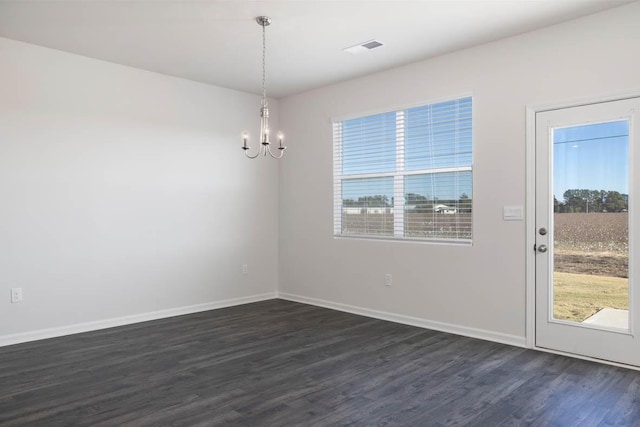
(579, 296)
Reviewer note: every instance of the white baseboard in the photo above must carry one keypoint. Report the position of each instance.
(178, 311)
(413, 321)
(127, 320)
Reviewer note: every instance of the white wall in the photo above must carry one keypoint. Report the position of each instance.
(113, 180)
(125, 192)
(478, 289)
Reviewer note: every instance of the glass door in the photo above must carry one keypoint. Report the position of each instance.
(584, 231)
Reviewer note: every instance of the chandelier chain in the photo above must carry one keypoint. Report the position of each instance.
(264, 67)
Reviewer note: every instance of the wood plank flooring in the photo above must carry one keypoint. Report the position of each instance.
(279, 363)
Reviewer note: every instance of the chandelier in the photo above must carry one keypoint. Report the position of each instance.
(263, 21)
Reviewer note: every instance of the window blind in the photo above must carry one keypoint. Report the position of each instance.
(405, 174)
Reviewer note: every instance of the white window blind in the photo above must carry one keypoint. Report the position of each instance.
(405, 174)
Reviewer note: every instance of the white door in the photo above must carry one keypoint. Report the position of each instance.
(587, 230)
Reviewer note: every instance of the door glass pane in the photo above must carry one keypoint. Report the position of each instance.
(591, 224)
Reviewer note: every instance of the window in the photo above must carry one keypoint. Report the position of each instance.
(405, 174)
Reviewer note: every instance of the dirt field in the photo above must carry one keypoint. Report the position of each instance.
(594, 243)
(611, 264)
(417, 224)
(592, 231)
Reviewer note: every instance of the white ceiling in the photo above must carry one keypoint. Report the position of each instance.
(219, 42)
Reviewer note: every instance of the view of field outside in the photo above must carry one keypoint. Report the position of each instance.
(416, 162)
(591, 226)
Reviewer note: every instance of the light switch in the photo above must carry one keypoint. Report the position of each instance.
(513, 213)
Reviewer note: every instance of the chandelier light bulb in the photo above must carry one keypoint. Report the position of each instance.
(245, 138)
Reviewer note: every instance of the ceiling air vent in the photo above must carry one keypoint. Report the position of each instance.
(363, 47)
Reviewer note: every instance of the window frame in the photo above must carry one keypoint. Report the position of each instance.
(399, 174)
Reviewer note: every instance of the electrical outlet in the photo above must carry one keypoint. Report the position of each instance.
(245, 269)
(16, 295)
(388, 279)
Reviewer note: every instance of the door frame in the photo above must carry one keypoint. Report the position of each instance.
(530, 213)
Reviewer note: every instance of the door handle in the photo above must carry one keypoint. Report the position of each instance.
(542, 248)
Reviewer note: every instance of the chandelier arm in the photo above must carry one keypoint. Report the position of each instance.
(252, 157)
(274, 156)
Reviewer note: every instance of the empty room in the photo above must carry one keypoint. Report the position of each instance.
(319, 213)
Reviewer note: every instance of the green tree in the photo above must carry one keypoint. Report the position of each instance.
(374, 201)
(582, 200)
(464, 204)
(615, 202)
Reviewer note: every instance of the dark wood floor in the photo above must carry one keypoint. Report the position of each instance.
(279, 363)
